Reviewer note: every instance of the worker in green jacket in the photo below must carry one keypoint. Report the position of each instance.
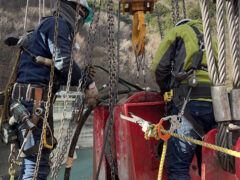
(180, 64)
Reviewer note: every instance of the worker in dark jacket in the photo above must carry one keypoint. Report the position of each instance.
(173, 69)
(31, 87)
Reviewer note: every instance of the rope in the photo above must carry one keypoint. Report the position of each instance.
(221, 41)
(43, 8)
(162, 160)
(195, 141)
(25, 18)
(212, 69)
(39, 11)
(233, 36)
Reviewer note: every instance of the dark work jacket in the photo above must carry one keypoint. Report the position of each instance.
(179, 47)
(41, 44)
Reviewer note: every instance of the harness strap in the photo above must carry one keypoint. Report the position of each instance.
(37, 99)
(29, 92)
(202, 90)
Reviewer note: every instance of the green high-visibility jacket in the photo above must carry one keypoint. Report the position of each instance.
(179, 47)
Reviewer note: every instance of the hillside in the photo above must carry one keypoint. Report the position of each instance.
(12, 17)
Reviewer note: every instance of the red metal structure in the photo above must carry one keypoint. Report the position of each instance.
(136, 157)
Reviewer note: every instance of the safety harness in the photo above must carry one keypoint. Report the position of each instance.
(192, 89)
(27, 92)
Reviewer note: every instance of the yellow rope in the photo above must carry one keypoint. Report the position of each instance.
(162, 160)
(153, 129)
(195, 141)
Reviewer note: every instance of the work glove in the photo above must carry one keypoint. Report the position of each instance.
(91, 95)
(91, 71)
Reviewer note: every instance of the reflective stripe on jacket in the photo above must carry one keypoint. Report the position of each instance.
(41, 44)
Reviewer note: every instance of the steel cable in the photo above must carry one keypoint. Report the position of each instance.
(233, 36)
(221, 41)
(212, 69)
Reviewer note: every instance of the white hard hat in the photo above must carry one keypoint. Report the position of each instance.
(183, 21)
(83, 2)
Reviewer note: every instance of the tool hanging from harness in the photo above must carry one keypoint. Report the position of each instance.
(22, 43)
(25, 92)
(192, 89)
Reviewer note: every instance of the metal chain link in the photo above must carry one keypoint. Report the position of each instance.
(221, 41)
(113, 71)
(184, 9)
(81, 87)
(159, 22)
(43, 134)
(233, 36)
(212, 69)
(92, 33)
(173, 13)
(112, 78)
(177, 10)
(60, 156)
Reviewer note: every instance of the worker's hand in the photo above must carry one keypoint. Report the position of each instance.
(91, 71)
(91, 95)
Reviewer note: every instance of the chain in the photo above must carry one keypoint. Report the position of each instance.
(92, 33)
(60, 156)
(159, 22)
(113, 71)
(184, 9)
(212, 69)
(43, 134)
(173, 13)
(233, 36)
(177, 10)
(221, 41)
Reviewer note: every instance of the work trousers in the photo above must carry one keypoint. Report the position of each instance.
(179, 152)
(29, 162)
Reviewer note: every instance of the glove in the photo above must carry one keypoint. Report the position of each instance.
(91, 95)
(91, 71)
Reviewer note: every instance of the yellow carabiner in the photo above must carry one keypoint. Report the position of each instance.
(168, 96)
(46, 145)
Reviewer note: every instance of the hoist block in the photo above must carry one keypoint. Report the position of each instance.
(138, 8)
(131, 6)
